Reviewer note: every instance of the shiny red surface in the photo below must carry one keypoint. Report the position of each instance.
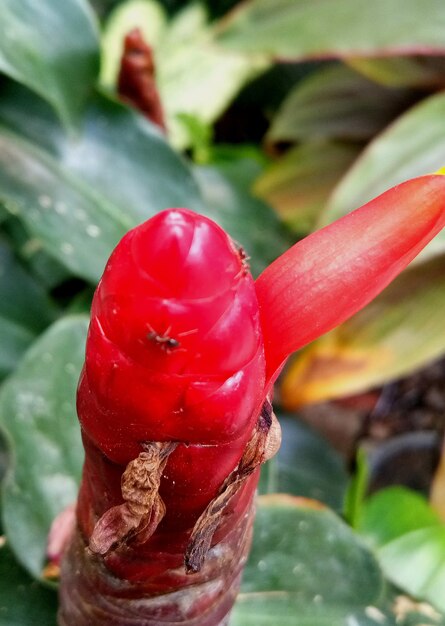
(174, 353)
(174, 349)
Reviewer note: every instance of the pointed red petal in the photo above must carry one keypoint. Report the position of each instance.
(330, 275)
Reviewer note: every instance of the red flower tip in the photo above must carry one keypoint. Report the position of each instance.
(324, 279)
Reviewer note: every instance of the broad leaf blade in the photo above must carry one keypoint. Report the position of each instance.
(52, 48)
(397, 333)
(122, 156)
(299, 184)
(296, 29)
(410, 542)
(86, 192)
(394, 71)
(37, 413)
(22, 601)
(305, 567)
(414, 145)
(68, 217)
(25, 309)
(379, 523)
(336, 102)
(195, 75)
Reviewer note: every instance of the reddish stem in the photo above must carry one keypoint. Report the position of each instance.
(146, 584)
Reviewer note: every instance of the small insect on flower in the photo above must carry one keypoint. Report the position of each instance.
(164, 341)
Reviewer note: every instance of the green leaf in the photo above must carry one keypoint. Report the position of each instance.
(60, 210)
(21, 298)
(85, 193)
(414, 145)
(25, 309)
(416, 71)
(393, 512)
(306, 465)
(299, 184)
(306, 568)
(52, 48)
(37, 413)
(397, 333)
(23, 602)
(249, 220)
(410, 542)
(193, 74)
(336, 102)
(296, 29)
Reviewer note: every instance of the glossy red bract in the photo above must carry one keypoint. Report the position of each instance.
(174, 350)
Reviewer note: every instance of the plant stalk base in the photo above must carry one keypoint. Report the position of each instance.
(90, 595)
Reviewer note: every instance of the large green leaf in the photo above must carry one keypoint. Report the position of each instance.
(299, 184)
(306, 465)
(23, 602)
(248, 219)
(86, 192)
(75, 225)
(52, 48)
(79, 195)
(410, 542)
(397, 333)
(306, 568)
(193, 74)
(412, 146)
(37, 413)
(336, 102)
(299, 29)
(25, 309)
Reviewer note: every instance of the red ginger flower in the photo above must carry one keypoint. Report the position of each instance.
(181, 354)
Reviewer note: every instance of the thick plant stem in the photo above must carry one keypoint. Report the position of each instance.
(162, 592)
(92, 595)
(122, 572)
(132, 562)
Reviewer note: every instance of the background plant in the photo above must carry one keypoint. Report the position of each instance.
(320, 134)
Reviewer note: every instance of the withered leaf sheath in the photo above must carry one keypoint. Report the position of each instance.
(169, 402)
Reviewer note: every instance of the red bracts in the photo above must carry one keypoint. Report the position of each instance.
(181, 353)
